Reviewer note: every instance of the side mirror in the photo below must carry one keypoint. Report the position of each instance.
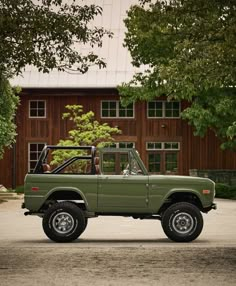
(126, 173)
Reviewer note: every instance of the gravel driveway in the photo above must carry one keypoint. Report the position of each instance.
(117, 251)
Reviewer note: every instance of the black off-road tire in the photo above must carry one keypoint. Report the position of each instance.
(182, 222)
(64, 222)
(85, 223)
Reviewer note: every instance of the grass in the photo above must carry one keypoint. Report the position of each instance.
(18, 190)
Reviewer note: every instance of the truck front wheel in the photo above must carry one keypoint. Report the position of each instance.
(63, 222)
(182, 222)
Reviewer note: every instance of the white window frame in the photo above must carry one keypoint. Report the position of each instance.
(163, 148)
(117, 110)
(163, 109)
(45, 108)
(37, 151)
(117, 144)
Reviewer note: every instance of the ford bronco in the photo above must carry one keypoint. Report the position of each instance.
(112, 182)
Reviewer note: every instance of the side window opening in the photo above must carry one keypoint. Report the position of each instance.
(114, 163)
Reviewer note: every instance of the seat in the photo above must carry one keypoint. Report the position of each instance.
(46, 168)
(97, 166)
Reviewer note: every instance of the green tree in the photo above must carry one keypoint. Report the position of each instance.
(188, 49)
(48, 34)
(86, 132)
(8, 105)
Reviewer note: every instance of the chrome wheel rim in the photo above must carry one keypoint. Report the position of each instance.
(182, 223)
(63, 223)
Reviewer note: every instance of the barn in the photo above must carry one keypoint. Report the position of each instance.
(165, 142)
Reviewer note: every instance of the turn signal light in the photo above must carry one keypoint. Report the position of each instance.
(206, 192)
(35, 189)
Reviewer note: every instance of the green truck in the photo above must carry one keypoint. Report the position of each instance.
(112, 182)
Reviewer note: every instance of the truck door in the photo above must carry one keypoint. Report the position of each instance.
(122, 186)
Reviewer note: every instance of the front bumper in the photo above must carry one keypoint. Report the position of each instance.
(213, 206)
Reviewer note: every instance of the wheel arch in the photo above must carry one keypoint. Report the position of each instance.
(66, 194)
(181, 195)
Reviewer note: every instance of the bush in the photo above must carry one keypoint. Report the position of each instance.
(225, 191)
(19, 189)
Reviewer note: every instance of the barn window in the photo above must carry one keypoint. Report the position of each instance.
(114, 109)
(163, 157)
(37, 108)
(34, 150)
(163, 109)
(122, 145)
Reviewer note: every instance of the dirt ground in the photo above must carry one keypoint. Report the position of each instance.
(117, 251)
(118, 266)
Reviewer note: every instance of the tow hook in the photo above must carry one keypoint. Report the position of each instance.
(27, 213)
(214, 206)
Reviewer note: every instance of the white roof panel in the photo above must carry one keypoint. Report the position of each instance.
(118, 59)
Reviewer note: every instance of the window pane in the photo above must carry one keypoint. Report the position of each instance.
(168, 105)
(169, 113)
(150, 145)
(151, 105)
(41, 104)
(33, 113)
(33, 104)
(171, 162)
(122, 113)
(112, 113)
(154, 163)
(158, 146)
(130, 145)
(41, 113)
(176, 105)
(104, 113)
(122, 145)
(108, 163)
(167, 146)
(33, 147)
(33, 156)
(130, 113)
(151, 113)
(40, 147)
(124, 161)
(32, 165)
(158, 105)
(175, 145)
(158, 113)
(112, 105)
(175, 113)
(104, 105)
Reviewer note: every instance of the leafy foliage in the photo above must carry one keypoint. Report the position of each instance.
(46, 34)
(8, 105)
(189, 52)
(225, 191)
(86, 132)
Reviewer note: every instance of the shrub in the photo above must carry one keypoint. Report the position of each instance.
(225, 191)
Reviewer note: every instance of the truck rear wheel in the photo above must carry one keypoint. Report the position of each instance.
(182, 222)
(64, 222)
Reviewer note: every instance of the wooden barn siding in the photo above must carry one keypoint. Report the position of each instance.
(6, 169)
(195, 152)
